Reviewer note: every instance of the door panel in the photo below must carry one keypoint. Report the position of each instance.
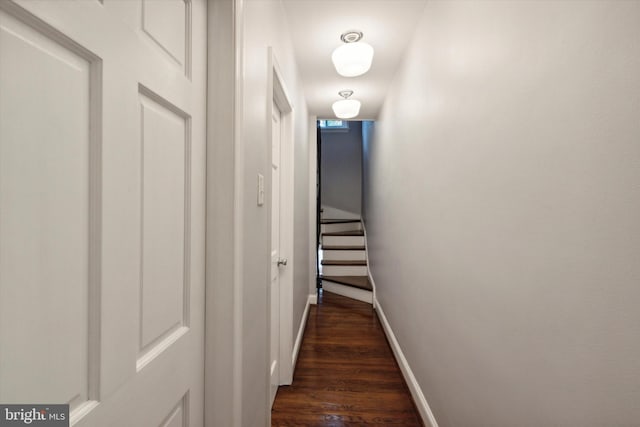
(44, 216)
(164, 165)
(102, 141)
(178, 416)
(166, 23)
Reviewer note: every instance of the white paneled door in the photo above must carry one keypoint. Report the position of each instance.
(102, 151)
(276, 262)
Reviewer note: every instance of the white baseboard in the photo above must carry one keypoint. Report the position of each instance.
(312, 299)
(348, 291)
(373, 285)
(416, 392)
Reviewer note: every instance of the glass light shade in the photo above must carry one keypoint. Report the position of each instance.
(352, 59)
(346, 108)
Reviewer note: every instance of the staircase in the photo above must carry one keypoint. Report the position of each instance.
(343, 257)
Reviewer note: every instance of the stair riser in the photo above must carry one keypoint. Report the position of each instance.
(343, 240)
(343, 255)
(344, 270)
(348, 291)
(334, 228)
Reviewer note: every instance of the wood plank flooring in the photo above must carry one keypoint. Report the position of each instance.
(346, 374)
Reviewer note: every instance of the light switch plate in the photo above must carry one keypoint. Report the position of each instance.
(260, 189)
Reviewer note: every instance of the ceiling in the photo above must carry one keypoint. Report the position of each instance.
(316, 26)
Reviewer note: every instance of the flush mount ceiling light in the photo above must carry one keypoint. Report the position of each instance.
(354, 57)
(346, 108)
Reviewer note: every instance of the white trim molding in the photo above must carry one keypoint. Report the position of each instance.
(313, 189)
(416, 392)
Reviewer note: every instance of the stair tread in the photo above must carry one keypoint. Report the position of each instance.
(338, 221)
(343, 262)
(342, 248)
(361, 282)
(345, 233)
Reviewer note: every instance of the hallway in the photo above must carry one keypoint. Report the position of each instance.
(160, 189)
(346, 373)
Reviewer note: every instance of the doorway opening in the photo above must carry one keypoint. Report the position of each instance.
(279, 191)
(341, 247)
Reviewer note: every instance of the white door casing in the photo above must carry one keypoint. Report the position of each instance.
(102, 168)
(274, 311)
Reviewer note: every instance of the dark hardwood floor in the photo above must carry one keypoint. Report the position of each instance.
(346, 374)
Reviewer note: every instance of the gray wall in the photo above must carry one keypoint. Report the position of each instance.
(342, 168)
(503, 212)
(368, 127)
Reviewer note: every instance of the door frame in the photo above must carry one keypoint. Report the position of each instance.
(225, 210)
(278, 94)
(313, 202)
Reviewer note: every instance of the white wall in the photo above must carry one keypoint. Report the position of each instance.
(302, 273)
(342, 169)
(503, 212)
(264, 26)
